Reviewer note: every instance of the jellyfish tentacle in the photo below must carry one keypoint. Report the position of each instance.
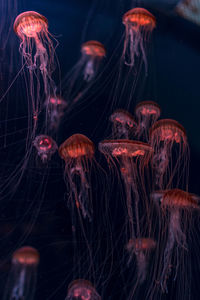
(18, 290)
(81, 196)
(141, 266)
(89, 70)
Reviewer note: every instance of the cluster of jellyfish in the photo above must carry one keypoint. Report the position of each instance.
(141, 148)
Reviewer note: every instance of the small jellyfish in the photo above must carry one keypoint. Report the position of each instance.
(132, 157)
(56, 107)
(176, 206)
(23, 274)
(139, 24)
(80, 78)
(38, 54)
(140, 247)
(123, 124)
(81, 289)
(78, 153)
(171, 153)
(147, 113)
(45, 146)
(92, 54)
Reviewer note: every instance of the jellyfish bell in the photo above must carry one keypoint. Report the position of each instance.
(176, 198)
(147, 108)
(45, 146)
(29, 24)
(147, 113)
(26, 256)
(171, 153)
(77, 146)
(139, 24)
(78, 153)
(22, 278)
(168, 130)
(141, 244)
(123, 124)
(125, 148)
(139, 17)
(82, 289)
(93, 48)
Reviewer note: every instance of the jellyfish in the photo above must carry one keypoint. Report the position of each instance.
(80, 78)
(92, 54)
(78, 153)
(176, 206)
(37, 51)
(45, 146)
(81, 289)
(139, 24)
(56, 107)
(123, 124)
(140, 247)
(171, 153)
(22, 278)
(147, 113)
(132, 157)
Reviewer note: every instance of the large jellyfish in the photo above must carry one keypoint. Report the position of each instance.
(78, 152)
(123, 124)
(171, 154)
(81, 289)
(132, 157)
(45, 146)
(176, 206)
(139, 24)
(38, 55)
(22, 278)
(147, 113)
(87, 67)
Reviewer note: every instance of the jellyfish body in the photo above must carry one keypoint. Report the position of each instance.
(78, 152)
(132, 157)
(139, 24)
(176, 205)
(147, 113)
(140, 247)
(55, 107)
(45, 146)
(22, 278)
(81, 289)
(37, 52)
(171, 153)
(123, 124)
